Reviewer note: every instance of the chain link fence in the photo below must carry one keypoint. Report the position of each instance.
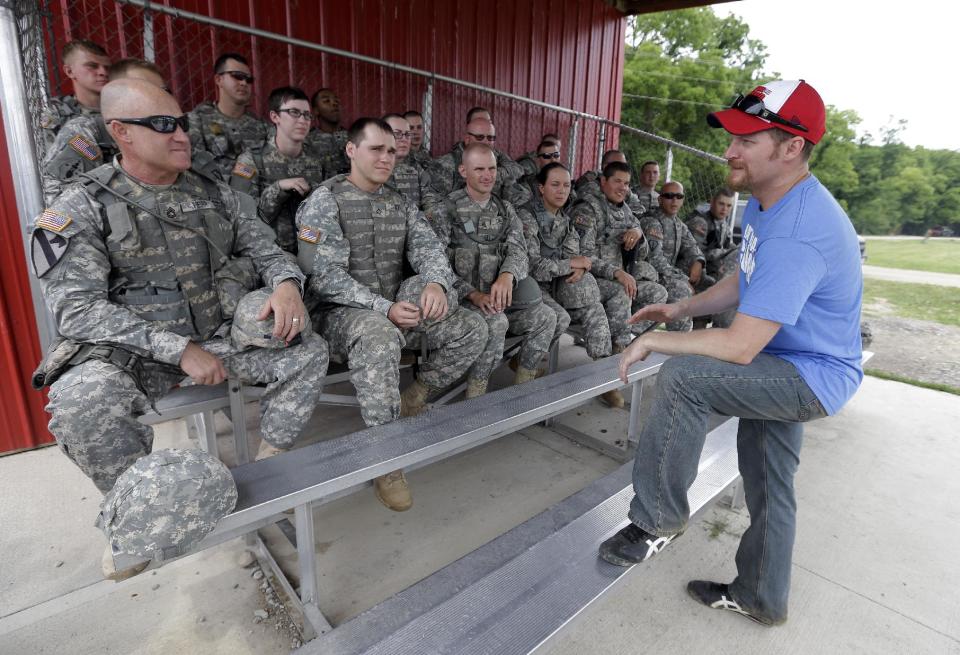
(185, 46)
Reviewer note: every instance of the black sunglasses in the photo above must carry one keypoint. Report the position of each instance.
(239, 76)
(548, 155)
(482, 137)
(754, 106)
(671, 195)
(161, 124)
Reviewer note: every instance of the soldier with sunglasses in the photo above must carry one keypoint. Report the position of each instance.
(143, 264)
(225, 128)
(532, 162)
(673, 250)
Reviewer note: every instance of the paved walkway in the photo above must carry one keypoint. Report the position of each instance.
(914, 277)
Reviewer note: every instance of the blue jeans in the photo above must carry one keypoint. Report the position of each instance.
(772, 401)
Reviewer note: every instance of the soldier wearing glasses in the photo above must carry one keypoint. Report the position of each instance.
(410, 177)
(532, 162)
(285, 171)
(142, 264)
(673, 250)
(224, 128)
(548, 152)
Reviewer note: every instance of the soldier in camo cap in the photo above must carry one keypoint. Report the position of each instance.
(142, 266)
(87, 66)
(354, 234)
(445, 170)
(568, 287)
(164, 504)
(328, 140)
(410, 177)
(83, 143)
(610, 235)
(484, 239)
(224, 128)
(674, 251)
(285, 172)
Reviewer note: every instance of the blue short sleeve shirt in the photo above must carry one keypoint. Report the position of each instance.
(800, 267)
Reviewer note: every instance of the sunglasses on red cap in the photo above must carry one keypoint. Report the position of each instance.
(753, 106)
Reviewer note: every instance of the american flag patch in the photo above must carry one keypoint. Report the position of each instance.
(53, 221)
(308, 234)
(243, 170)
(86, 148)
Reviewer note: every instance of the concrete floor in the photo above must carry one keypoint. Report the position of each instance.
(875, 567)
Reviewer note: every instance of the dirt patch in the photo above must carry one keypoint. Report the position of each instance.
(921, 350)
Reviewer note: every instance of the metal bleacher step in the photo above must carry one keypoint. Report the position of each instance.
(513, 593)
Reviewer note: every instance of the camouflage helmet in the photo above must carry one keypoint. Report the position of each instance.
(248, 331)
(526, 294)
(166, 502)
(412, 287)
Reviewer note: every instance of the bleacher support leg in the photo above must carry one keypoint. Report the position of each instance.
(307, 556)
(207, 431)
(239, 419)
(736, 499)
(553, 363)
(636, 397)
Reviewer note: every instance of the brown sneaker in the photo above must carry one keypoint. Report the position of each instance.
(110, 571)
(267, 451)
(476, 388)
(413, 400)
(392, 490)
(614, 399)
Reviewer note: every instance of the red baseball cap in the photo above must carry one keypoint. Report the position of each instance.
(791, 105)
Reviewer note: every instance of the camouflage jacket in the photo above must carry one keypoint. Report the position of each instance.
(481, 241)
(551, 242)
(677, 249)
(352, 245)
(224, 137)
(152, 276)
(259, 175)
(59, 110)
(329, 147)
(714, 238)
(648, 200)
(412, 181)
(445, 175)
(601, 225)
(81, 145)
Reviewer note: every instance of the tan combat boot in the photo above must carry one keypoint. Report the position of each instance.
(614, 398)
(476, 388)
(413, 400)
(514, 364)
(110, 571)
(392, 490)
(266, 451)
(524, 375)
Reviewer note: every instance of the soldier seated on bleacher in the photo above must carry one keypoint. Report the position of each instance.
(532, 162)
(568, 288)
(484, 239)
(611, 236)
(354, 234)
(588, 184)
(142, 265)
(410, 176)
(328, 139)
(715, 239)
(87, 65)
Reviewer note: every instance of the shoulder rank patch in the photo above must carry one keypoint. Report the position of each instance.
(46, 250)
(216, 128)
(243, 170)
(308, 234)
(653, 233)
(53, 221)
(86, 148)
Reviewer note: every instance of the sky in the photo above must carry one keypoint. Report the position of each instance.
(879, 58)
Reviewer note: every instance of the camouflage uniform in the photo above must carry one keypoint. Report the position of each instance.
(329, 147)
(412, 180)
(81, 144)
(224, 137)
(648, 200)
(551, 242)
(672, 251)
(277, 207)
(420, 156)
(461, 223)
(588, 184)
(715, 240)
(352, 246)
(528, 163)
(601, 225)
(59, 110)
(445, 175)
(136, 284)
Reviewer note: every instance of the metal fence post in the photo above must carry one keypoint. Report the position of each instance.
(601, 144)
(572, 157)
(668, 165)
(427, 115)
(148, 50)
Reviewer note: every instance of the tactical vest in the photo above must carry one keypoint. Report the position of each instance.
(163, 269)
(608, 233)
(224, 137)
(477, 251)
(376, 228)
(406, 180)
(59, 111)
(551, 247)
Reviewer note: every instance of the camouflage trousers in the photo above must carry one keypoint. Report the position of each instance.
(370, 343)
(563, 318)
(678, 288)
(94, 406)
(592, 320)
(648, 293)
(535, 324)
(616, 306)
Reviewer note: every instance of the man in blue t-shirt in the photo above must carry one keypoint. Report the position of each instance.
(792, 353)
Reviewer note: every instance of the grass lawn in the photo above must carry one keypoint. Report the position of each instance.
(923, 301)
(937, 255)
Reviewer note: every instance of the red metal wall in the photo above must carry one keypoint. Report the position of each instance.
(23, 423)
